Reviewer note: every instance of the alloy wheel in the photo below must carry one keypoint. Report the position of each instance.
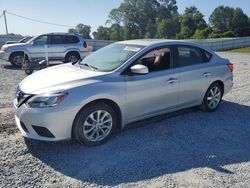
(97, 125)
(214, 97)
(18, 60)
(73, 59)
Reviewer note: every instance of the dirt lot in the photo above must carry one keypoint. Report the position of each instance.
(188, 149)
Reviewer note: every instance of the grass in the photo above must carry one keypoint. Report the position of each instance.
(241, 50)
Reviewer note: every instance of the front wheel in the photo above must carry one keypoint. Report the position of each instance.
(16, 59)
(95, 124)
(212, 98)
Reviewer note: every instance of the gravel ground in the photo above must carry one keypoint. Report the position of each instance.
(186, 149)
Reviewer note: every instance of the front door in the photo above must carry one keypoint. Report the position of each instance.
(155, 92)
(37, 48)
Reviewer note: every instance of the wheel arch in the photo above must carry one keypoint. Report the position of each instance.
(110, 102)
(20, 51)
(220, 83)
(72, 51)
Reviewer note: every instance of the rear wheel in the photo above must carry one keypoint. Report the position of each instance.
(16, 59)
(212, 98)
(95, 124)
(72, 57)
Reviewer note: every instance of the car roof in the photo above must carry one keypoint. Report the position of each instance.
(150, 42)
(61, 33)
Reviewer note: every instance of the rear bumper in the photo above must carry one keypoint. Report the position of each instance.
(84, 54)
(228, 84)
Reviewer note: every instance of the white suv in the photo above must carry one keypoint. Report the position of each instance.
(60, 46)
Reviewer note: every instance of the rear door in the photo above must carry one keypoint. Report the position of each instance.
(56, 47)
(195, 74)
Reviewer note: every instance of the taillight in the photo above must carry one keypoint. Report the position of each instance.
(230, 66)
(85, 45)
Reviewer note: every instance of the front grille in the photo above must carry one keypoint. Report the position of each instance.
(19, 94)
(42, 131)
(21, 97)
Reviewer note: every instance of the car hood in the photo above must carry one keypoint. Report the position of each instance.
(16, 45)
(57, 78)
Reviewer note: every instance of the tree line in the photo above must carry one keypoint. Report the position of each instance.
(160, 19)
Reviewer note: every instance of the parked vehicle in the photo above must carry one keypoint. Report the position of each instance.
(60, 46)
(119, 84)
(23, 40)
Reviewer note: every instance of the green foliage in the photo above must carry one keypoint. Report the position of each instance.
(227, 19)
(81, 29)
(102, 33)
(168, 28)
(160, 19)
(191, 20)
(227, 34)
(214, 35)
(202, 33)
(140, 18)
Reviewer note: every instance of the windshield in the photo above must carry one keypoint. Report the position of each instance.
(110, 57)
(31, 39)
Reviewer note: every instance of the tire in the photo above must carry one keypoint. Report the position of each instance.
(72, 57)
(16, 59)
(29, 71)
(86, 131)
(212, 98)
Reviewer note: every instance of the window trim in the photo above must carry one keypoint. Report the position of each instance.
(201, 51)
(48, 40)
(128, 72)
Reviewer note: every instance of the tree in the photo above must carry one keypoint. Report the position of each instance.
(227, 19)
(139, 17)
(221, 19)
(190, 21)
(116, 32)
(202, 33)
(240, 23)
(72, 30)
(168, 28)
(81, 29)
(102, 33)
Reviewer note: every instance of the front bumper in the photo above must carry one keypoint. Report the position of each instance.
(4, 55)
(56, 121)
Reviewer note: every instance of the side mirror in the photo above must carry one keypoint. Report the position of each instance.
(139, 69)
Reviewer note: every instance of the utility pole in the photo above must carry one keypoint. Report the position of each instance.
(6, 27)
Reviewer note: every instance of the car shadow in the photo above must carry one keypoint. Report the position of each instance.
(169, 144)
(11, 67)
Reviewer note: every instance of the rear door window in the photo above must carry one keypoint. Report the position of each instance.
(206, 56)
(56, 39)
(71, 39)
(187, 56)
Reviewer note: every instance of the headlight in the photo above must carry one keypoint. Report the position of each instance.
(4, 48)
(46, 100)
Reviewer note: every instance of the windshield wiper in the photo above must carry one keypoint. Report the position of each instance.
(90, 66)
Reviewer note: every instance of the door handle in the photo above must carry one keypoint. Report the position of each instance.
(206, 74)
(172, 80)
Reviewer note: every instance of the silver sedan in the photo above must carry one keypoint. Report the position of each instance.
(119, 84)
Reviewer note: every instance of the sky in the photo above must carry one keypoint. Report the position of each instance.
(89, 12)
